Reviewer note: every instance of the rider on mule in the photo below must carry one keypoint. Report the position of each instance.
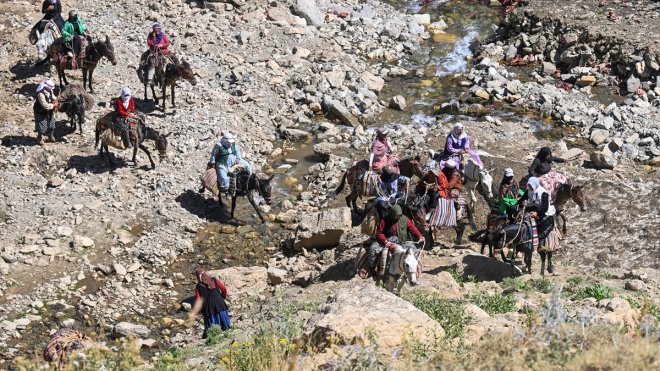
(125, 112)
(510, 193)
(449, 180)
(159, 46)
(52, 10)
(225, 155)
(540, 208)
(389, 187)
(542, 168)
(380, 152)
(457, 144)
(394, 224)
(73, 33)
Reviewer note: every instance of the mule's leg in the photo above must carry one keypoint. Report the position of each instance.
(173, 104)
(145, 91)
(153, 93)
(96, 138)
(513, 262)
(550, 267)
(542, 253)
(145, 150)
(135, 148)
(164, 100)
(528, 261)
(108, 156)
(256, 208)
(84, 72)
(564, 226)
(220, 199)
(233, 206)
(460, 229)
(89, 82)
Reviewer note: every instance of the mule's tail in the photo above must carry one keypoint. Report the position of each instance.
(341, 185)
(97, 135)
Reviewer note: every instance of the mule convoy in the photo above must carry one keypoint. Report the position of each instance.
(403, 261)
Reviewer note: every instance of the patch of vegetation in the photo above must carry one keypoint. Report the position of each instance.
(449, 314)
(543, 285)
(458, 277)
(94, 358)
(494, 304)
(169, 360)
(216, 336)
(575, 280)
(517, 283)
(595, 290)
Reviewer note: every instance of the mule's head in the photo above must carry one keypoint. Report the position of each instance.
(109, 50)
(577, 194)
(161, 145)
(266, 189)
(410, 264)
(42, 45)
(486, 183)
(186, 72)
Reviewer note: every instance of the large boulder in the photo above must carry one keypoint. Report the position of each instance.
(310, 11)
(242, 282)
(127, 329)
(294, 135)
(322, 229)
(361, 308)
(373, 82)
(339, 111)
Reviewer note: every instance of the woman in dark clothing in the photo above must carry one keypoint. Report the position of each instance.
(542, 163)
(52, 10)
(210, 300)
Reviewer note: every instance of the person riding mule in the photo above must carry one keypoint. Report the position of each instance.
(509, 194)
(125, 113)
(541, 168)
(458, 144)
(393, 225)
(389, 190)
(154, 59)
(52, 11)
(74, 34)
(225, 156)
(381, 149)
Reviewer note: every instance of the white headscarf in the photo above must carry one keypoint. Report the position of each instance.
(125, 96)
(46, 84)
(537, 194)
(454, 132)
(226, 140)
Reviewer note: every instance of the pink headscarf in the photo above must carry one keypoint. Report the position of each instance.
(380, 145)
(205, 279)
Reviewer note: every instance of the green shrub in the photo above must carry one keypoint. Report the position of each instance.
(517, 283)
(449, 314)
(169, 360)
(494, 304)
(543, 285)
(596, 291)
(215, 335)
(575, 280)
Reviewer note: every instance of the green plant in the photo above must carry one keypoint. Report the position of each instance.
(459, 278)
(169, 360)
(595, 290)
(493, 304)
(575, 280)
(543, 285)
(449, 314)
(517, 283)
(215, 335)
(633, 303)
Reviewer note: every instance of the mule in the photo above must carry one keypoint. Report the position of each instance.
(137, 138)
(479, 180)
(565, 193)
(515, 236)
(44, 40)
(74, 101)
(94, 52)
(246, 185)
(354, 176)
(404, 266)
(173, 72)
(151, 71)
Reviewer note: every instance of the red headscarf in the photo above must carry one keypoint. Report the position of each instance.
(205, 279)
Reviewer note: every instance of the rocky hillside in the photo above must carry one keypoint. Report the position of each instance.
(300, 83)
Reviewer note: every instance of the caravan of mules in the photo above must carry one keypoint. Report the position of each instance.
(402, 215)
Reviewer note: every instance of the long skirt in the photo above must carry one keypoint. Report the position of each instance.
(44, 124)
(221, 319)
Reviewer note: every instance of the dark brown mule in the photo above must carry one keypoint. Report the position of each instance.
(246, 185)
(173, 72)
(93, 54)
(354, 177)
(137, 137)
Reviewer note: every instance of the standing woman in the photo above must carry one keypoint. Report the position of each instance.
(210, 296)
(44, 109)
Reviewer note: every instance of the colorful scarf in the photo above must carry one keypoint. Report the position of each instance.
(205, 279)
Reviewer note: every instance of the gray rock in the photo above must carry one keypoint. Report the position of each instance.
(398, 102)
(310, 11)
(119, 269)
(294, 135)
(374, 83)
(276, 275)
(632, 84)
(635, 285)
(127, 329)
(511, 52)
(339, 111)
(322, 229)
(602, 161)
(548, 68)
(599, 136)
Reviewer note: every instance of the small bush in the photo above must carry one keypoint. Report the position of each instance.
(575, 280)
(494, 304)
(449, 314)
(458, 277)
(517, 283)
(215, 335)
(596, 291)
(170, 360)
(543, 285)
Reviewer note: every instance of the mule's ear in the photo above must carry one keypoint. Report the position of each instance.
(270, 178)
(38, 33)
(167, 135)
(107, 39)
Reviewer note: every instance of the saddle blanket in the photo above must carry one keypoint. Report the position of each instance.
(66, 63)
(444, 215)
(371, 183)
(551, 182)
(210, 181)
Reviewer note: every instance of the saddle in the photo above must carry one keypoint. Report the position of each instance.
(107, 124)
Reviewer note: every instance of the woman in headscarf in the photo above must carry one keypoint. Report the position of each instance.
(125, 110)
(542, 168)
(389, 189)
(44, 109)
(210, 295)
(73, 33)
(52, 10)
(449, 180)
(540, 207)
(157, 40)
(429, 184)
(458, 143)
(380, 152)
(509, 193)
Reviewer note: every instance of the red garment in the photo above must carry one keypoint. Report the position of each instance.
(218, 283)
(446, 185)
(386, 229)
(164, 43)
(123, 112)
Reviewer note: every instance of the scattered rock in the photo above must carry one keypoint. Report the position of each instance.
(276, 275)
(322, 229)
(127, 329)
(398, 102)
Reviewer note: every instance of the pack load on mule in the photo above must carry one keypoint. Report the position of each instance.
(75, 101)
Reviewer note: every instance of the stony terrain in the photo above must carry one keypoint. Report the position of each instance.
(111, 252)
